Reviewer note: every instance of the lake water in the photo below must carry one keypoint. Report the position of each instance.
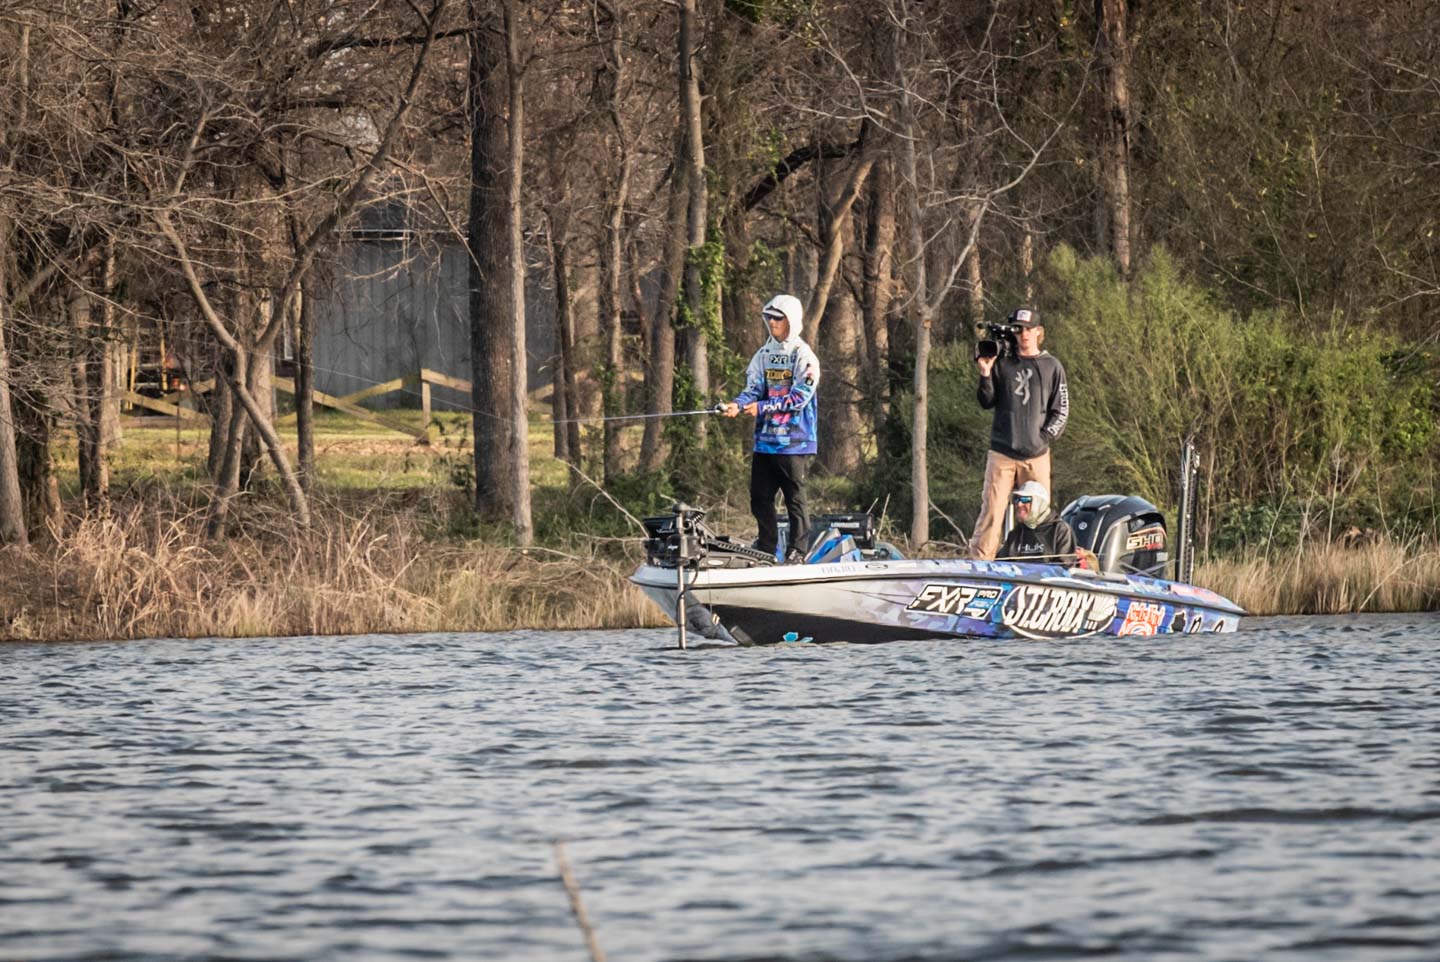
(1273, 793)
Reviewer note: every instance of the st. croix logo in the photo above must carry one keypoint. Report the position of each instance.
(1040, 612)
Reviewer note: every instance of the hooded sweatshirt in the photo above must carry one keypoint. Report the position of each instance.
(1031, 400)
(782, 377)
(1050, 541)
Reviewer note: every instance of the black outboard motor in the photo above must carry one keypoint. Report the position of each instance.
(1126, 533)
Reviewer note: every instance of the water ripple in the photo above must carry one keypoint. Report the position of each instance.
(1267, 794)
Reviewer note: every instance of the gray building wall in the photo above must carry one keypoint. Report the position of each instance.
(394, 307)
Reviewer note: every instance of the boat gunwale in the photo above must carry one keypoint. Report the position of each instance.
(826, 572)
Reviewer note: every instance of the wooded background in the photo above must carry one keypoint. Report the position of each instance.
(1225, 212)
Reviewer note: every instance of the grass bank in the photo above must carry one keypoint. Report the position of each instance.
(1382, 574)
(378, 566)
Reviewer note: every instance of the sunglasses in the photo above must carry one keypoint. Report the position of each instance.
(1022, 499)
(774, 317)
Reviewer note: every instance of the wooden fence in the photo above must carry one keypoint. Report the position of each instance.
(175, 411)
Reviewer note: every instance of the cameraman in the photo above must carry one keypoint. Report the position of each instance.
(1026, 388)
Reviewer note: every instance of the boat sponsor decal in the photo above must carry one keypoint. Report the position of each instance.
(1046, 612)
(1143, 618)
(1188, 622)
(969, 601)
(1191, 591)
(1145, 540)
(1005, 568)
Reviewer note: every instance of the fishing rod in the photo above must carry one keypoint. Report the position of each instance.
(715, 409)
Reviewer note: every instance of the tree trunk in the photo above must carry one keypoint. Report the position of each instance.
(920, 299)
(661, 382)
(232, 371)
(1115, 58)
(975, 281)
(878, 289)
(242, 304)
(519, 372)
(834, 316)
(697, 354)
(834, 216)
(34, 378)
(559, 402)
(88, 382)
(839, 402)
(221, 408)
(742, 313)
(12, 506)
(491, 293)
(612, 260)
(261, 387)
(305, 387)
(567, 435)
(1027, 263)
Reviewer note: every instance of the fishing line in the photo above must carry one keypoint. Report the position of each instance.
(462, 407)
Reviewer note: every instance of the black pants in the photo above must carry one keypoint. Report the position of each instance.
(784, 473)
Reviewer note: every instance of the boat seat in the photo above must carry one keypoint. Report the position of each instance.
(832, 546)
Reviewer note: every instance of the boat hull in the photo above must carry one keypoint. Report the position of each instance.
(877, 601)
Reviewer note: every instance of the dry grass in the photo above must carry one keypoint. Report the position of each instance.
(146, 571)
(1332, 579)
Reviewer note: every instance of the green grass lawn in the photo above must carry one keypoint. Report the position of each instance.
(356, 458)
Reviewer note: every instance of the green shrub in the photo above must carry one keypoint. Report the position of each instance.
(1302, 429)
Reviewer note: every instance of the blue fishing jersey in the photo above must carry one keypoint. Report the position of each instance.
(783, 379)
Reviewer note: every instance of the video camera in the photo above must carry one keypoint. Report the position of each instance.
(1002, 340)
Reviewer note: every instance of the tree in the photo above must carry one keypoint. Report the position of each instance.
(491, 293)
(612, 246)
(1115, 59)
(916, 61)
(698, 273)
(519, 392)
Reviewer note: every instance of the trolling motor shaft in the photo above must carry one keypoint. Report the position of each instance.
(688, 551)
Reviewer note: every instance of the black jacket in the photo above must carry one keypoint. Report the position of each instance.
(1031, 400)
(1050, 541)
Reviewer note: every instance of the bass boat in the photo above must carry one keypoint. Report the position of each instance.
(852, 588)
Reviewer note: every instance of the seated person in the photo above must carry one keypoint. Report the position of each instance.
(1040, 534)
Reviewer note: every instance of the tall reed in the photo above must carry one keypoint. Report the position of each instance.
(146, 571)
(1384, 574)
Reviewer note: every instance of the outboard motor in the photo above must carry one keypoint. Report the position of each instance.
(1125, 532)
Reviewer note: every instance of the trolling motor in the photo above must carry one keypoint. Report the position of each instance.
(682, 541)
(686, 544)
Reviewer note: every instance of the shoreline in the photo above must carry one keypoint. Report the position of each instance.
(146, 572)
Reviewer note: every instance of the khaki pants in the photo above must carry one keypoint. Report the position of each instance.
(1002, 476)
